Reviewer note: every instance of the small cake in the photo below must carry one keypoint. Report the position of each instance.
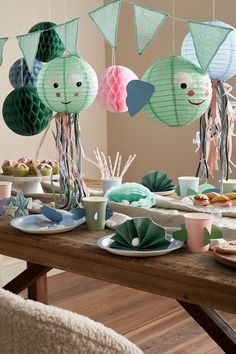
(212, 195)
(23, 160)
(7, 167)
(33, 164)
(55, 167)
(20, 170)
(232, 197)
(201, 200)
(45, 169)
(221, 201)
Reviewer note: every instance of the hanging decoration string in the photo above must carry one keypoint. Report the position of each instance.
(113, 57)
(173, 26)
(49, 10)
(213, 10)
(20, 25)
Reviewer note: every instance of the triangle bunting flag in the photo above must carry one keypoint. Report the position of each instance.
(29, 44)
(207, 39)
(147, 23)
(106, 18)
(2, 43)
(68, 33)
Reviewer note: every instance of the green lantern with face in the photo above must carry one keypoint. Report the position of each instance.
(173, 92)
(67, 84)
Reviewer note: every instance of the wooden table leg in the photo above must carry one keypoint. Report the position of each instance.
(38, 290)
(214, 324)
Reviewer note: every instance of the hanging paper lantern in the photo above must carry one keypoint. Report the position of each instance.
(50, 46)
(19, 74)
(112, 83)
(67, 84)
(24, 113)
(223, 65)
(173, 92)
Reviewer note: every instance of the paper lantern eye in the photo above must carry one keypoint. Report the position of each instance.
(184, 85)
(54, 81)
(183, 80)
(75, 80)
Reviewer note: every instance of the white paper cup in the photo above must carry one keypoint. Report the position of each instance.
(186, 182)
(5, 189)
(229, 186)
(109, 183)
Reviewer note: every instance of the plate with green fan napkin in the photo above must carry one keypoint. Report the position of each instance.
(139, 237)
(158, 182)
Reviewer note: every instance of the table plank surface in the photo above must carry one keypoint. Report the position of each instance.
(195, 278)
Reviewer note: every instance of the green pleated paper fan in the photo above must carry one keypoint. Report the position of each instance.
(140, 234)
(24, 113)
(157, 181)
(50, 45)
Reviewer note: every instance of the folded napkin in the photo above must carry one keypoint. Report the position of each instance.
(157, 181)
(132, 194)
(140, 234)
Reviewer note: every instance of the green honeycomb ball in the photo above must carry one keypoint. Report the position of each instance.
(50, 46)
(24, 113)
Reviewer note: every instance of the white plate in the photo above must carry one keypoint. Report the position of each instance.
(165, 192)
(106, 241)
(30, 225)
(28, 178)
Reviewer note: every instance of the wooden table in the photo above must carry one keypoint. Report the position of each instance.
(196, 281)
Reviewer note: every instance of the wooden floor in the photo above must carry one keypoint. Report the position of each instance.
(156, 324)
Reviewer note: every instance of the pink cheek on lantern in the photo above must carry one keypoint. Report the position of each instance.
(58, 94)
(76, 94)
(207, 93)
(191, 93)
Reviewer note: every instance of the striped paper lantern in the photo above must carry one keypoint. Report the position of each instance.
(182, 91)
(223, 65)
(67, 84)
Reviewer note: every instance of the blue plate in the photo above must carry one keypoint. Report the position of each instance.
(39, 224)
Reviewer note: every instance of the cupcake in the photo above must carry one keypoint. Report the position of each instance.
(8, 166)
(55, 167)
(45, 169)
(23, 160)
(33, 164)
(20, 170)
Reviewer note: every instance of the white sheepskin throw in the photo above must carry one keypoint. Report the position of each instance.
(29, 327)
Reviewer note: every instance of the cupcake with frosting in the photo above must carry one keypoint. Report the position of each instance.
(24, 160)
(8, 166)
(55, 166)
(20, 170)
(33, 164)
(45, 169)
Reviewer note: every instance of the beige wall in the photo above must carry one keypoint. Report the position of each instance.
(158, 147)
(91, 48)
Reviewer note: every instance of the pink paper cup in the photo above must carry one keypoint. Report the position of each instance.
(5, 189)
(195, 224)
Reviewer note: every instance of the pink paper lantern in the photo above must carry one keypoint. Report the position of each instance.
(112, 84)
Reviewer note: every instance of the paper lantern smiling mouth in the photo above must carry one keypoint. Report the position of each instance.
(173, 92)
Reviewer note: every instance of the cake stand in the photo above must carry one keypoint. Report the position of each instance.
(28, 185)
(216, 212)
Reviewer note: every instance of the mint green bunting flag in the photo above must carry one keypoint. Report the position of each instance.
(147, 23)
(106, 18)
(29, 44)
(207, 39)
(68, 33)
(2, 43)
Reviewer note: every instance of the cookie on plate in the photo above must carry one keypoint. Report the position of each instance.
(226, 248)
(201, 200)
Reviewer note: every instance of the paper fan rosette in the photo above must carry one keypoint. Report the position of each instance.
(140, 234)
(157, 181)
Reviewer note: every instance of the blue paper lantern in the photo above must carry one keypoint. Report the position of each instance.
(20, 76)
(223, 65)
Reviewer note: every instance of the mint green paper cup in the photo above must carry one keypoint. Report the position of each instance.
(95, 212)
